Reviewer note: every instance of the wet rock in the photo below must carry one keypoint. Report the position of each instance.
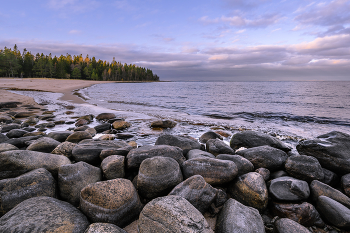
(217, 146)
(214, 171)
(23, 114)
(195, 153)
(46, 116)
(163, 124)
(107, 137)
(158, 176)
(136, 156)
(72, 178)
(236, 217)
(22, 142)
(17, 162)
(113, 167)
(250, 189)
(334, 212)
(278, 174)
(89, 117)
(16, 133)
(81, 122)
(123, 151)
(40, 214)
(65, 148)
(81, 128)
(13, 191)
(8, 127)
(345, 183)
(286, 225)
(304, 168)
(78, 136)
(171, 214)
(44, 144)
(91, 131)
(209, 135)
(33, 120)
(105, 116)
(5, 118)
(185, 143)
(113, 201)
(35, 134)
(265, 156)
(120, 125)
(125, 135)
(102, 127)
(198, 192)
(320, 189)
(9, 104)
(331, 150)
(3, 138)
(223, 133)
(6, 147)
(289, 189)
(60, 136)
(330, 178)
(244, 165)
(104, 228)
(265, 173)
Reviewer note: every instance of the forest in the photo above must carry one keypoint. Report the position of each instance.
(13, 63)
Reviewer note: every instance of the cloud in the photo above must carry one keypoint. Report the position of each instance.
(76, 32)
(163, 38)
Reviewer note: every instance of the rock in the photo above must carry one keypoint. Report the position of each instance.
(214, 171)
(107, 137)
(123, 151)
(251, 139)
(81, 128)
(33, 120)
(44, 214)
(113, 201)
(13, 191)
(250, 189)
(289, 189)
(331, 150)
(9, 104)
(16, 133)
(104, 228)
(278, 174)
(265, 156)
(286, 225)
(89, 150)
(81, 122)
(345, 183)
(22, 142)
(72, 178)
(102, 127)
(78, 136)
(60, 136)
(44, 144)
(65, 148)
(35, 134)
(171, 214)
(223, 133)
(209, 135)
(320, 189)
(120, 125)
(158, 176)
(186, 144)
(334, 212)
(7, 128)
(244, 165)
(6, 147)
(46, 116)
(217, 146)
(136, 156)
(265, 173)
(236, 217)
(304, 168)
(330, 178)
(87, 117)
(23, 114)
(5, 118)
(17, 162)
(198, 192)
(91, 131)
(163, 124)
(105, 116)
(3, 138)
(113, 167)
(125, 135)
(195, 153)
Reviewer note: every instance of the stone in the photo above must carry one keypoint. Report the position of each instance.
(107, 137)
(265, 156)
(5, 118)
(123, 151)
(16, 133)
(136, 156)
(185, 143)
(9, 104)
(125, 135)
(249, 139)
(81, 122)
(13, 191)
(91, 131)
(6, 147)
(104, 228)
(265, 173)
(223, 133)
(33, 120)
(35, 134)
(22, 142)
(17, 162)
(23, 114)
(43, 214)
(89, 117)
(330, 178)
(214, 171)
(121, 125)
(102, 127)
(158, 176)
(217, 146)
(345, 183)
(3, 138)
(278, 174)
(171, 214)
(78, 136)
(46, 116)
(113, 167)
(196, 153)
(113, 201)
(304, 168)
(250, 189)
(289, 189)
(244, 165)
(198, 192)
(81, 128)
(72, 178)
(105, 116)
(209, 135)
(60, 136)
(286, 225)
(44, 144)
(8, 127)
(65, 148)
(331, 150)
(236, 217)
(163, 124)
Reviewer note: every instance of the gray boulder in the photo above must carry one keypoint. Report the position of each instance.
(209, 135)
(304, 168)
(44, 144)
(65, 148)
(196, 153)
(264, 172)
(60, 136)
(23, 141)
(16, 133)
(163, 124)
(102, 127)
(334, 212)
(123, 151)
(217, 146)
(3, 138)
(105, 116)
(6, 147)
(9, 127)
(113, 167)
(244, 165)
(185, 143)
(286, 225)
(78, 136)
(289, 189)
(104, 228)
(345, 183)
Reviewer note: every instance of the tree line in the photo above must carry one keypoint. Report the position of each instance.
(13, 63)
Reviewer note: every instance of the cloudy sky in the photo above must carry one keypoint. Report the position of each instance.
(223, 40)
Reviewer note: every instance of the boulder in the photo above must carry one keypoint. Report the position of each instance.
(214, 171)
(244, 165)
(81, 128)
(60, 136)
(105, 116)
(195, 153)
(78, 136)
(3, 138)
(16, 133)
(236, 217)
(6, 147)
(9, 127)
(65, 148)
(102, 127)
(33, 120)
(158, 176)
(113, 201)
(250, 189)
(198, 192)
(209, 135)
(171, 214)
(121, 125)
(330, 178)
(345, 183)
(44, 214)
(47, 116)
(304, 168)
(22, 142)
(5, 118)
(120, 151)
(104, 228)
(89, 117)
(9, 104)
(286, 225)
(331, 150)
(113, 167)
(23, 114)
(265, 173)
(265, 156)
(185, 143)
(72, 178)
(217, 146)
(44, 144)
(91, 131)
(289, 189)
(163, 124)
(81, 122)
(278, 174)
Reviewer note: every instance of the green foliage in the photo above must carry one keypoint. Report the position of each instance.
(26, 65)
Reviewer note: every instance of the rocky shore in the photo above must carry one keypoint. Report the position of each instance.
(71, 181)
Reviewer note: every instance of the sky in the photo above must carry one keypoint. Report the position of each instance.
(192, 40)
